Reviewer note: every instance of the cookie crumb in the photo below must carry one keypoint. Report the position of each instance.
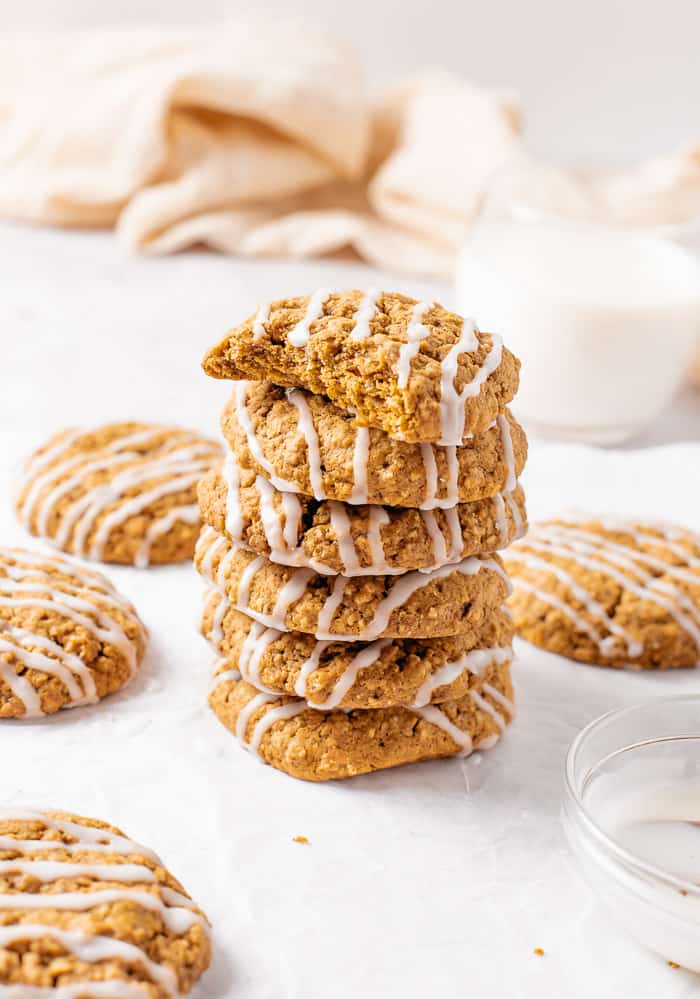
(300, 839)
(538, 951)
(672, 964)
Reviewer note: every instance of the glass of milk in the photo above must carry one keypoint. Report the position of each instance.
(605, 320)
(632, 817)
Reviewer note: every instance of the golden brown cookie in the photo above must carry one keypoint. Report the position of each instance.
(124, 492)
(452, 600)
(67, 637)
(379, 674)
(321, 745)
(609, 592)
(89, 914)
(333, 537)
(412, 369)
(302, 443)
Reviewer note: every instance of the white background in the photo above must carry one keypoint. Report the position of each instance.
(602, 81)
(435, 880)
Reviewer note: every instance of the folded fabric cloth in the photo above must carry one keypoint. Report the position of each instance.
(251, 136)
(258, 137)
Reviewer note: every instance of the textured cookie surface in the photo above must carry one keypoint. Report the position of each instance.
(410, 368)
(67, 637)
(334, 537)
(319, 745)
(124, 492)
(378, 674)
(303, 443)
(89, 914)
(609, 592)
(453, 600)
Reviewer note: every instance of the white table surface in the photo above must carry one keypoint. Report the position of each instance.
(433, 880)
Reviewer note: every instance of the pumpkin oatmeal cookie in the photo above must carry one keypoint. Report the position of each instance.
(412, 369)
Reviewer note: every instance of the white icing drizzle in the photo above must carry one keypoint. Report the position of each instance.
(299, 335)
(28, 583)
(365, 311)
(431, 476)
(114, 988)
(256, 643)
(360, 487)
(46, 490)
(211, 543)
(452, 400)
(516, 515)
(121, 444)
(628, 557)
(178, 919)
(452, 413)
(415, 333)
(436, 535)
(175, 909)
(261, 317)
(505, 702)
(308, 667)
(362, 660)
(378, 517)
(400, 592)
(340, 522)
(489, 709)
(248, 711)
(226, 676)
(91, 950)
(188, 514)
(567, 548)
(508, 453)
(105, 628)
(68, 668)
(282, 535)
(87, 837)
(434, 716)
(283, 712)
(330, 606)
(234, 515)
(606, 644)
(305, 424)
(476, 661)
(501, 519)
(246, 424)
(293, 590)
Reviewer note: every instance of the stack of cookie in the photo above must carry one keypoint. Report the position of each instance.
(355, 601)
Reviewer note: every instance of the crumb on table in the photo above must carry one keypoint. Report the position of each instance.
(538, 951)
(672, 964)
(301, 839)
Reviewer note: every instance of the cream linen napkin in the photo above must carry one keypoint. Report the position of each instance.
(251, 137)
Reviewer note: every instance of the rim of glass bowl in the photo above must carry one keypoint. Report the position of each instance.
(603, 839)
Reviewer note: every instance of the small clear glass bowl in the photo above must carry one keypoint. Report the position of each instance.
(631, 815)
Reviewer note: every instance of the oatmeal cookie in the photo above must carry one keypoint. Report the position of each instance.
(124, 492)
(303, 443)
(67, 637)
(609, 592)
(412, 369)
(321, 745)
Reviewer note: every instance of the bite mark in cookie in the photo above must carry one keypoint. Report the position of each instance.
(414, 370)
